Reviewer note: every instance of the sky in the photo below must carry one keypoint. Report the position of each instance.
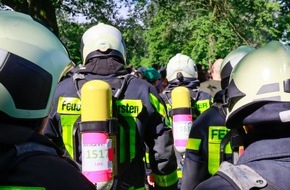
(81, 19)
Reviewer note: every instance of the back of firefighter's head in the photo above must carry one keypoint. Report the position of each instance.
(151, 75)
(230, 61)
(103, 40)
(181, 67)
(259, 93)
(31, 61)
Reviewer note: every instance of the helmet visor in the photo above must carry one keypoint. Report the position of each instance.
(28, 84)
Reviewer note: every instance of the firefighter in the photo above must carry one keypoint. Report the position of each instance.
(140, 112)
(182, 71)
(30, 70)
(259, 111)
(152, 76)
(202, 157)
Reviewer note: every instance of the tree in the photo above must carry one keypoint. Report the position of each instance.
(154, 31)
(70, 34)
(59, 17)
(207, 30)
(133, 29)
(43, 10)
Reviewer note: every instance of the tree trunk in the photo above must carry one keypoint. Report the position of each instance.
(42, 10)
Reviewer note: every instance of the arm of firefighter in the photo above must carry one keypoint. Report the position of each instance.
(161, 153)
(163, 162)
(53, 129)
(195, 169)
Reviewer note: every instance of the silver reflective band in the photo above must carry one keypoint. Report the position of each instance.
(3, 57)
(285, 116)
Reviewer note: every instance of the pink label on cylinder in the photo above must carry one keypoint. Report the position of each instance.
(182, 117)
(94, 138)
(99, 176)
(180, 142)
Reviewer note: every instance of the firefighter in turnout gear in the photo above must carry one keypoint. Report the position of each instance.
(259, 111)
(202, 157)
(140, 112)
(181, 71)
(30, 71)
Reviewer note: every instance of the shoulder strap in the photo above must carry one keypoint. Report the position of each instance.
(119, 92)
(78, 80)
(194, 94)
(19, 152)
(233, 137)
(243, 177)
(166, 95)
(118, 84)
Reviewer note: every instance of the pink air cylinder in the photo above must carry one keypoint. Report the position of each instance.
(97, 146)
(182, 117)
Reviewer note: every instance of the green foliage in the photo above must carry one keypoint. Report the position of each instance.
(163, 36)
(70, 34)
(154, 31)
(208, 30)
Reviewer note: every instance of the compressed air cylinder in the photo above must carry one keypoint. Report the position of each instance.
(182, 117)
(97, 146)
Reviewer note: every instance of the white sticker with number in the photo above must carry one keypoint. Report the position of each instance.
(95, 156)
(181, 129)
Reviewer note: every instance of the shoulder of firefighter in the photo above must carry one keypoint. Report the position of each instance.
(203, 149)
(199, 101)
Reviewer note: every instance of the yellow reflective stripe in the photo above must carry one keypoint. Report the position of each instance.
(166, 180)
(69, 105)
(132, 136)
(203, 105)
(146, 158)
(158, 105)
(215, 136)
(168, 107)
(130, 108)
(121, 156)
(67, 123)
(133, 188)
(131, 121)
(69, 109)
(179, 173)
(193, 144)
(228, 149)
(20, 188)
(160, 108)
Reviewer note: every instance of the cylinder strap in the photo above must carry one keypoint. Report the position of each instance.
(109, 126)
(181, 111)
